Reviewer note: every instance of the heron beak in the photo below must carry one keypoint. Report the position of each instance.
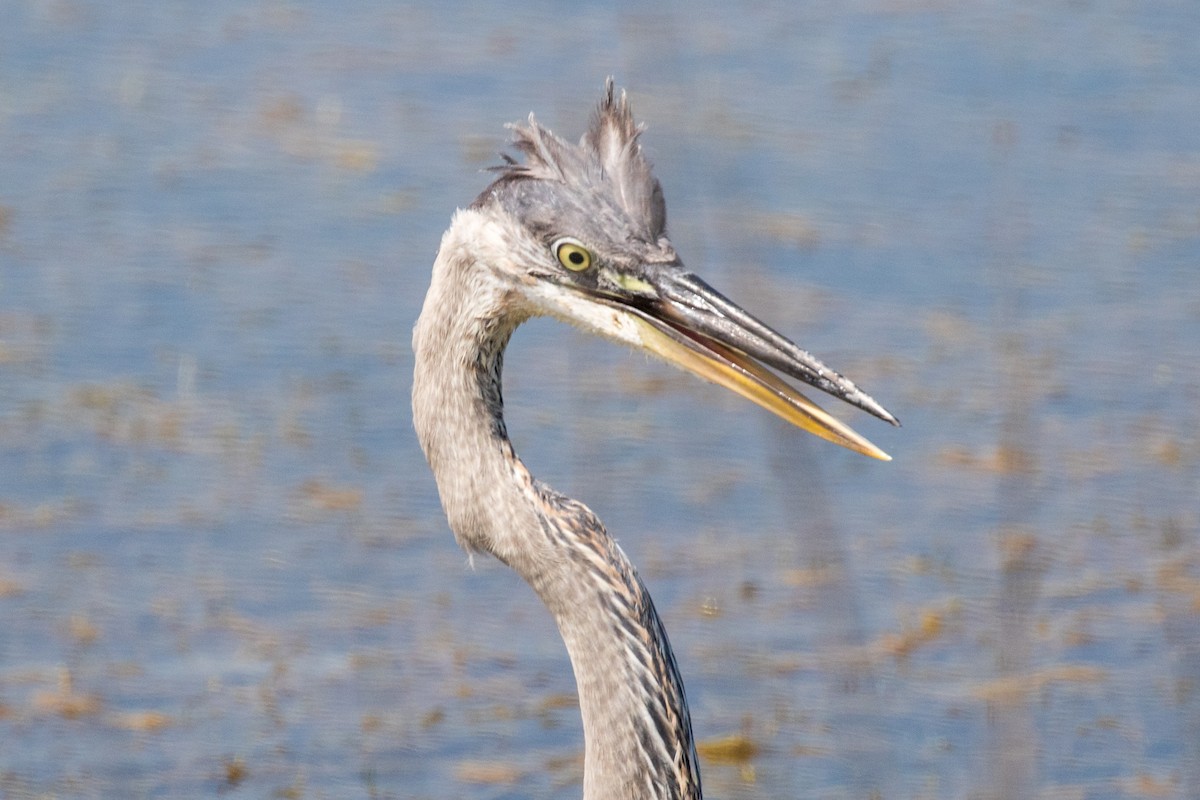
(693, 326)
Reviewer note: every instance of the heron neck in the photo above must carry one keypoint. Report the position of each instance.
(637, 731)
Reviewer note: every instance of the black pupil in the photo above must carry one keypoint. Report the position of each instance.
(575, 257)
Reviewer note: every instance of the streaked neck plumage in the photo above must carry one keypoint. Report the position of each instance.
(637, 732)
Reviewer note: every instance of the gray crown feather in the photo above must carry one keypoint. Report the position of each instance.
(608, 158)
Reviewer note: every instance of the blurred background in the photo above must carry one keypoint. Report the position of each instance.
(223, 566)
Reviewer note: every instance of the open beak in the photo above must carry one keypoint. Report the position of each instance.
(693, 326)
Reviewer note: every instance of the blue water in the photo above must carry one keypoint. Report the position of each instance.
(223, 567)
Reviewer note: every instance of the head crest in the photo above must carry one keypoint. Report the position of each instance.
(607, 159)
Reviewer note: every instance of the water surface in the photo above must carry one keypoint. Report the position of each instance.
(223, 567)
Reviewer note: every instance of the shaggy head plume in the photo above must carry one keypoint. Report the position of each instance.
(608, 162)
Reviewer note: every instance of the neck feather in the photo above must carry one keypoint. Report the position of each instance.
(637, 732)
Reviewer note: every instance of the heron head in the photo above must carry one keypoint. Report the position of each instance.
(584, 239)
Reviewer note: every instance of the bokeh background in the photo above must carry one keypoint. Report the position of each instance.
(223, 567)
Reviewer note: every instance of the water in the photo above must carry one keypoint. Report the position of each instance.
(223, 568)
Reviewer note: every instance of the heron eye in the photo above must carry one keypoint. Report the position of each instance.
(573, 255)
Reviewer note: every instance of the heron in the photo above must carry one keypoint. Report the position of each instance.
(578, 232)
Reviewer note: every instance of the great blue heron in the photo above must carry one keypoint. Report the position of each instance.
(578, 232)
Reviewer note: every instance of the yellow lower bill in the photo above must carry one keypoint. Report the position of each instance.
(728, 368)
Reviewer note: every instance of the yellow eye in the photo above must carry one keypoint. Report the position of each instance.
(573, 255)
